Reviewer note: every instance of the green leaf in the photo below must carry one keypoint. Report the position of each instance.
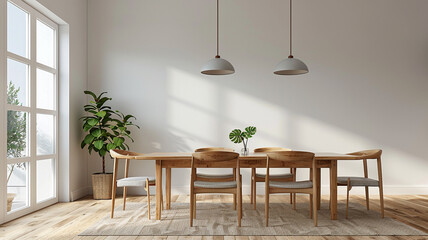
(92, 121)
(111, 146)
(118, 141)
(83, 144)
(251, 131)
(98, 144)
(235, 136)
(101, 114)
(86, 127)
(102, 152)
(96, 133)
(88, 139)
(90, 93)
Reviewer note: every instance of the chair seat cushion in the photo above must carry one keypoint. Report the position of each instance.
(134, 181)
(204, 184)
(273, 176)
(206, 175)
(358, 181)
(300, 184)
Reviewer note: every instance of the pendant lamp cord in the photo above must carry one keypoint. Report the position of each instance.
(217, 56)
(291, 55)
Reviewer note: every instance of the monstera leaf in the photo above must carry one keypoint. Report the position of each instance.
(236, 136)
(250, 131)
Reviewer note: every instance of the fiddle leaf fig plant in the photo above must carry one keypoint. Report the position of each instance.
(105, 129)
(238, 136)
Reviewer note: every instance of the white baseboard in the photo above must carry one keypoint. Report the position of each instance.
(79, 193)
(325, 189)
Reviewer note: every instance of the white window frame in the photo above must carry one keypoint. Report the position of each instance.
(32, 109)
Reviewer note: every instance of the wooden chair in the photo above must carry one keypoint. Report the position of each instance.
(365, 181)
(260, 177)
(292, 159)
(214, 159)
(126, 182)
(217, 177)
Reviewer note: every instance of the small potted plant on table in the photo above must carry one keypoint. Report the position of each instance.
(238, 136)
(105, 130)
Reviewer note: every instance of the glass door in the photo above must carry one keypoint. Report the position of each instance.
(30, 114)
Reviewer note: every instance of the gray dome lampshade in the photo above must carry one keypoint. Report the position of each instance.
(291, 66)
(217, 66)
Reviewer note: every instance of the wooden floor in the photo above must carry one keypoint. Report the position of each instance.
(67, 220)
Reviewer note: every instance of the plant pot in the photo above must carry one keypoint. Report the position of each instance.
(101, 185)
(10, 197)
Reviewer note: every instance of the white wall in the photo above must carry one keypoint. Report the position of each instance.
(366, 87)
(73, 182)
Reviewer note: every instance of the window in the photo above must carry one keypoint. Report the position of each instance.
(31, 109)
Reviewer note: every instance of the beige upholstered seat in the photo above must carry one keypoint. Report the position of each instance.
(274, 176)
(358, 181)
(126, 182)
(260, 177)
(203, 184)
(365, 181)
(134, 181)
(299, 184)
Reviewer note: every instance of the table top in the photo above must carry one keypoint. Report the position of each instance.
(251, 156)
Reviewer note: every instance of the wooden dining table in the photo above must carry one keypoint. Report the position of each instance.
(252, 160)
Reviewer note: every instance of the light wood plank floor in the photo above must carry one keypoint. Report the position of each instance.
(67, 220)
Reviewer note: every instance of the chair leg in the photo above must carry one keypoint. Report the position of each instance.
(348, 188)
(315, 209)
(382, 210)
(194, 206)
(113, 200)
(192, 202)
(255, 193)
(124, 197)
(311, 200)
(294, 202)
(253, 170)
(239, 206)
(367, 198)
(267, 208)
(240, 198)
(148, 198)
(234, 201)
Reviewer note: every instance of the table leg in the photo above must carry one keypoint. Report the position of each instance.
(168, 188)
(333, 190)
(318, 188)
(158, 189)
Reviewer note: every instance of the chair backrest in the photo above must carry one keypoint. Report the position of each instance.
(208, 149)
(294, 159)
(368, 154)
(270, 149)
(122, 154)
(215, 159)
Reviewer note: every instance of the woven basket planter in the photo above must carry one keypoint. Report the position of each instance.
(101, 185)
(10, 197)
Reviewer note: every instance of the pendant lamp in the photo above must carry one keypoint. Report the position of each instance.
(290, 65)
(217, 65)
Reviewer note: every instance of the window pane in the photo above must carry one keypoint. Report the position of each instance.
(45, 44)
(17, 134)
(45, 134)
(45, 179)
(17, 82)
(17, 33)
(45, 90)
(17, 186)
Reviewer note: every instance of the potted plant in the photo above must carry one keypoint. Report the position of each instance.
(238, 136)
(16, 137)
(105, 130)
